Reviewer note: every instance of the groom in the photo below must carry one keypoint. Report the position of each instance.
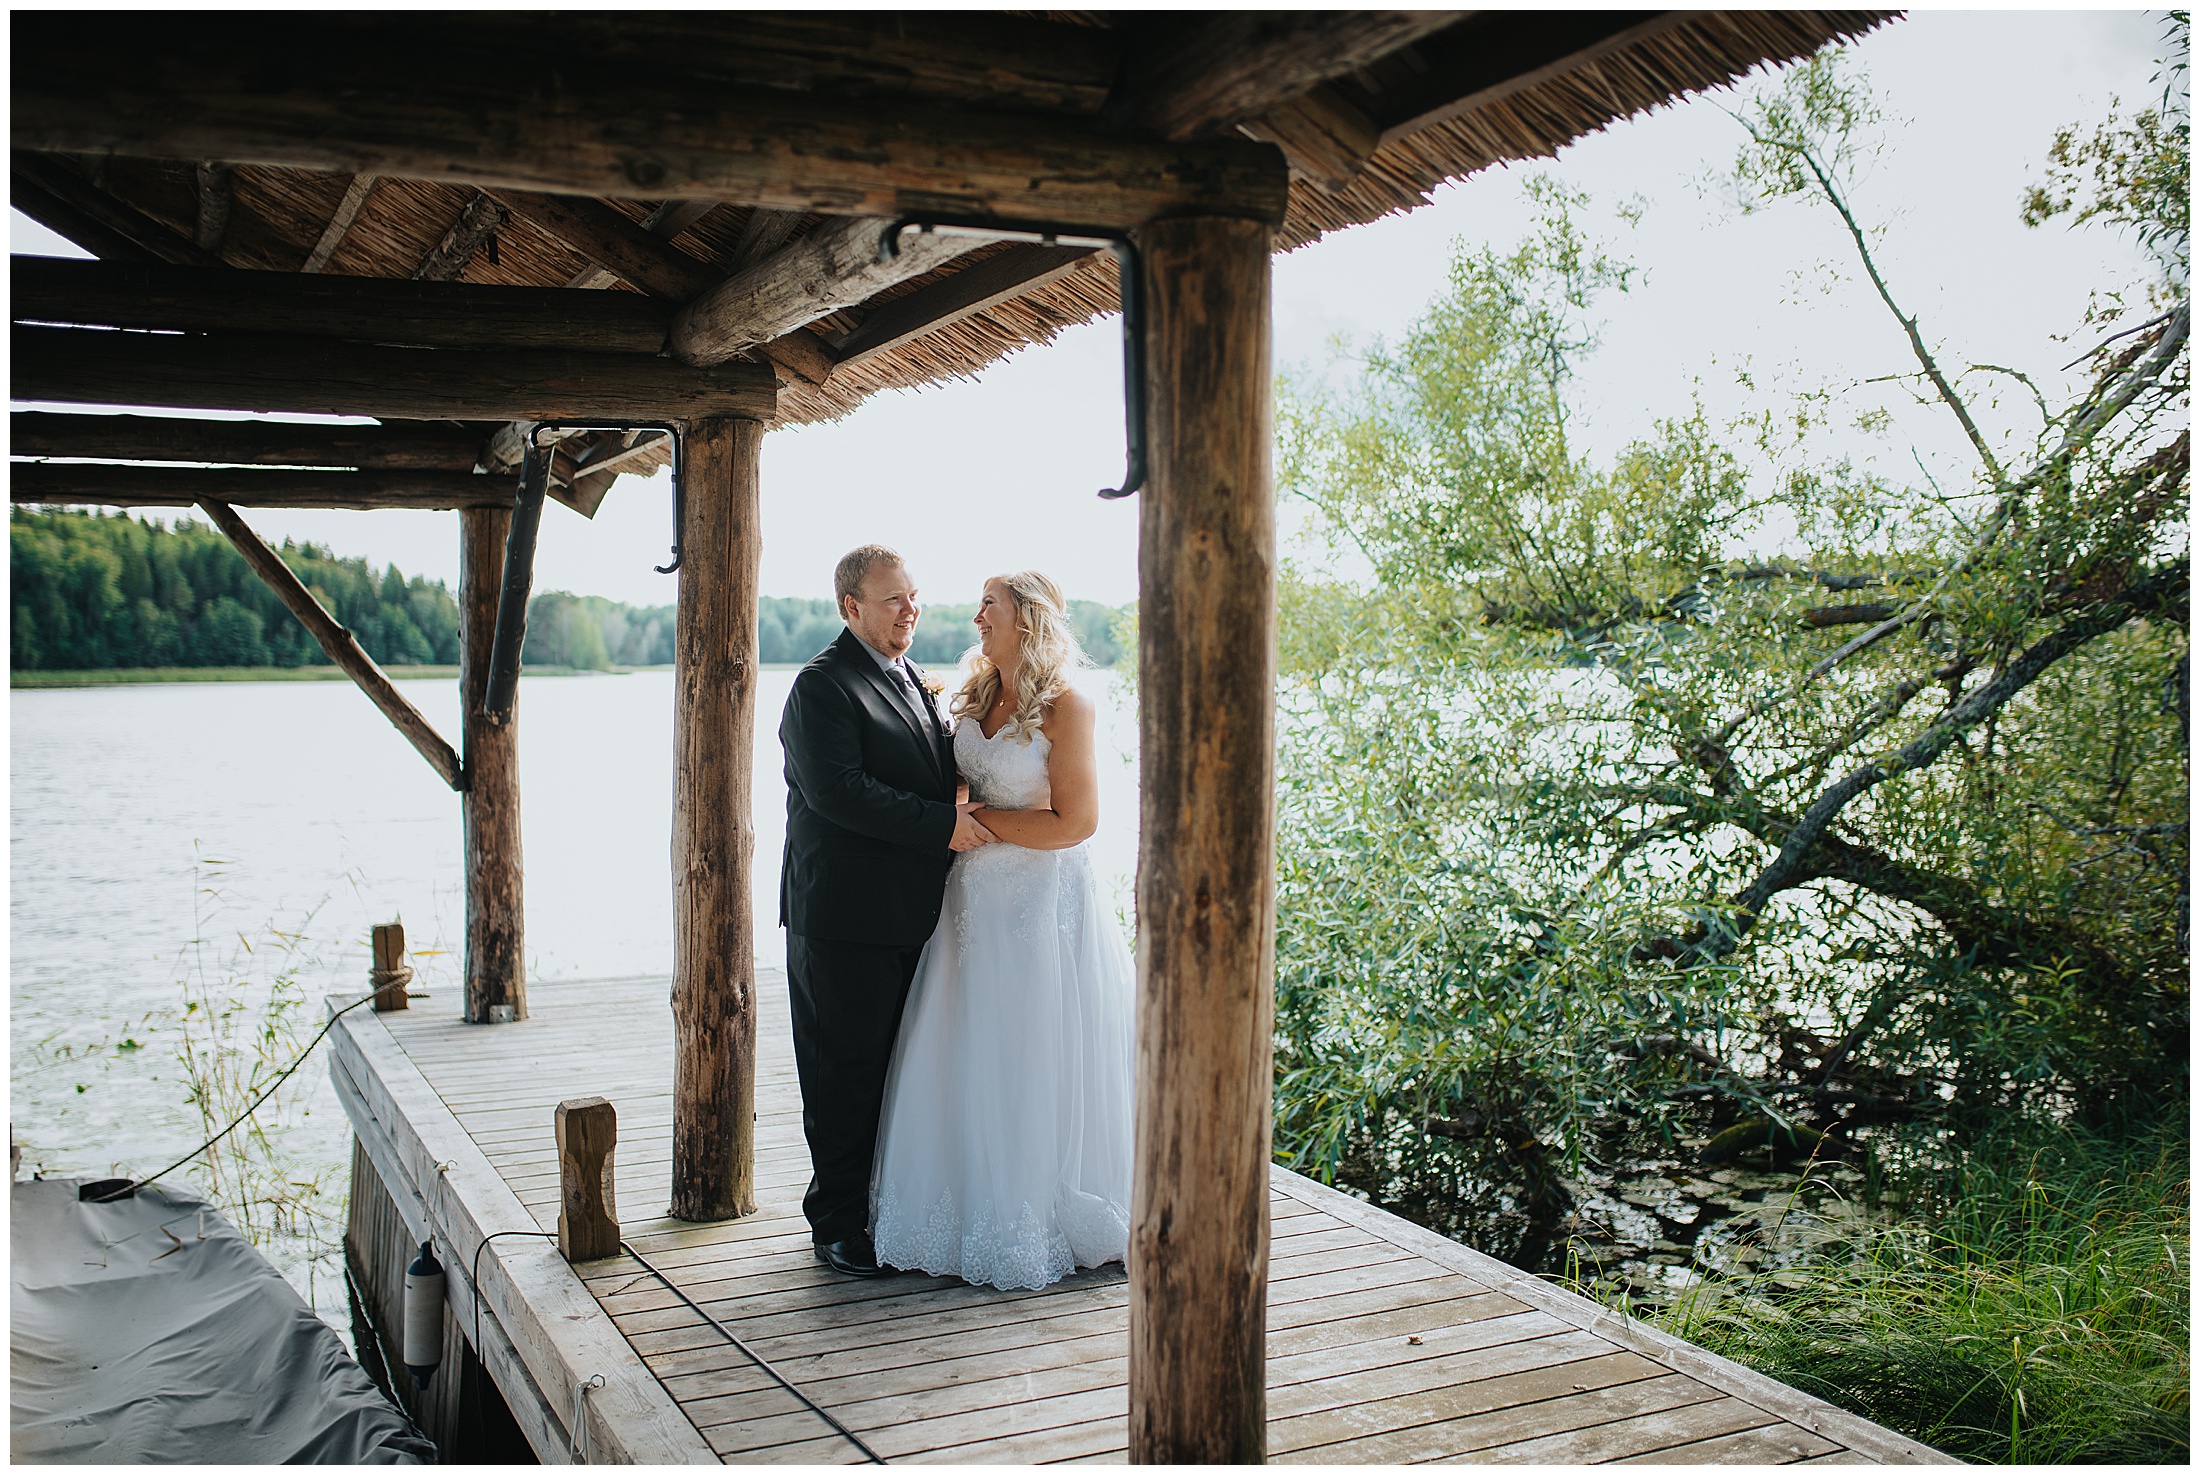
(871, 825)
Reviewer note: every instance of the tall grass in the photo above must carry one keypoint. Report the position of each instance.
(248, 1010)
(2029, 1306)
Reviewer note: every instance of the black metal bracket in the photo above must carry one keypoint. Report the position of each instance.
(1129, 273)
(519, 547)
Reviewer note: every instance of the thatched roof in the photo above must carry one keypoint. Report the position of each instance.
(1492, 87)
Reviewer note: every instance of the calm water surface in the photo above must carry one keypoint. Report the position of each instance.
(209, 835)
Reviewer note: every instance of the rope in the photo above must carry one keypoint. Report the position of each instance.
(137, 1183)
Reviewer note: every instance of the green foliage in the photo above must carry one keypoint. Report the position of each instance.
(587, 632)
(98, 592)
(1717, 772)
(2032, 1307)
(2133, 173)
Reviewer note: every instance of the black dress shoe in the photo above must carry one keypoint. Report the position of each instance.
(851, 1256)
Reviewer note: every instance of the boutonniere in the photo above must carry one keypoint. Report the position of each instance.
(933, 685)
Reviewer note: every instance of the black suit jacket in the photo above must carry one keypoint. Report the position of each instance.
(870, 805)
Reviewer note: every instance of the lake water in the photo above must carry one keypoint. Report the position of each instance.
(186, 844)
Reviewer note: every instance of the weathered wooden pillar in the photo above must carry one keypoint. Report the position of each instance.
(713, 830)
(1206, 872)
(496, 969)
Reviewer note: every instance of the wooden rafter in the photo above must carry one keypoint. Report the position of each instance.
(835, 266)
(1497, 54)
(1203, 75)
(615, 242)
(90, 484)
(109, 226)
(402, 446)
(339, 223)
(976, 287)
(217, 193)
(362, 309)
(299, 375)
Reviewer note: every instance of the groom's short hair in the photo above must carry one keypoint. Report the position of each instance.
(854, 568)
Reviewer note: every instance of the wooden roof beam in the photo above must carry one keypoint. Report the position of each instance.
(833, 267)
(82, 484)
(64, 201)
(1197, 76)
(1494, 54)
(362, 309)
(604, 236)
(301, 375)
(246, 92)
(975, 288)
(403, 446)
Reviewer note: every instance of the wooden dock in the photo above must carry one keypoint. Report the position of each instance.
(1387, 1343)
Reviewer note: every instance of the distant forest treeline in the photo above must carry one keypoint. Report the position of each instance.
(98, 592)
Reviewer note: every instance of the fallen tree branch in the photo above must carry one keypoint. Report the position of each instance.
(2157, 592)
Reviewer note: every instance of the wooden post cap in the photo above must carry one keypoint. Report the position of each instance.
(588, 1213)
(390, 974)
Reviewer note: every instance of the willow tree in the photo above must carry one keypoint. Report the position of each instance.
(1724, 770)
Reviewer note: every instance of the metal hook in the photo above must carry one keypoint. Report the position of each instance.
(1129, 273)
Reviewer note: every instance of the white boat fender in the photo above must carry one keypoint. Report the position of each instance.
(423, 1315)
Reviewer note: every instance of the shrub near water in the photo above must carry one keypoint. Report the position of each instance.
(2033, 1308)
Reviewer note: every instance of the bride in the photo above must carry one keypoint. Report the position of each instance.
(1004, 1151)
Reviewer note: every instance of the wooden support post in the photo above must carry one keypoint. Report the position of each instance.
(588, 1210)
(496, 971)
(339, 644)
(1206, 893)
(713, 830)
(390, 973)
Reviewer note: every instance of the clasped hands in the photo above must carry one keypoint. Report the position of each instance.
(969, 834)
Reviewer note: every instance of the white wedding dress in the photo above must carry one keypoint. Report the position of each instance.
(1004, 1151)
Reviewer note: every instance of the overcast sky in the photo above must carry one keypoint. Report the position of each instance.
(971, 479)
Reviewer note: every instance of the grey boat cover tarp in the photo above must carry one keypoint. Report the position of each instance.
(149, 1331)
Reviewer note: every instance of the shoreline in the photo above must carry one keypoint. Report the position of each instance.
(200, 675)
(196, 675)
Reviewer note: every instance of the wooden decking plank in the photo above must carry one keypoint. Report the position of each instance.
(1418, 1318)
(725, 1419)
(918, 1436)
(908, 1336)
(848, 1303)
(1840, 1457)
(1038, 1446)
(1444, 1439)
(1768, 1444)
(1437, 1345)
(1323, 1262)
(715, 1282)
(1663, 1429)
(832, 1377)
(1363, 1401)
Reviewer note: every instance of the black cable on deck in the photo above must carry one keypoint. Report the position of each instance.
(752, 1355)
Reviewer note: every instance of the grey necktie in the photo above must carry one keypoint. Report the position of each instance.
(912, 696)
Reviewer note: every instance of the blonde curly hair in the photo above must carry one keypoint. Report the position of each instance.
(1050, 652)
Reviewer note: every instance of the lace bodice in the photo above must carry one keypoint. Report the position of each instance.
(1004, 772)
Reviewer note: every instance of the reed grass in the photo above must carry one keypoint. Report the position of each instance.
(245, 1015)
(2029, 1306)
